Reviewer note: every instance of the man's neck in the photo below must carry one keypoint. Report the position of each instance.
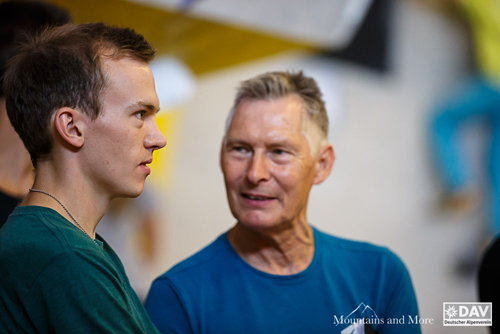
(65, 184)
(16, 171)
(285, 252)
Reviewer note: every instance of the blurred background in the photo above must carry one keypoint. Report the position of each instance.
(382, 66)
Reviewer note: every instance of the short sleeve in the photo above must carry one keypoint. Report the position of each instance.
(400, 299)
(165, 308)
(82, 293)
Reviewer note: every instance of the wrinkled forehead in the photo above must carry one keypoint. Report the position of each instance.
(291, 109)
(286, 110)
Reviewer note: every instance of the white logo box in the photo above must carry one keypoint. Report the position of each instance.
(467, 314)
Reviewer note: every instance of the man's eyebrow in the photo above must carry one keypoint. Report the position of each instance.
(235, 141)
(145, 105)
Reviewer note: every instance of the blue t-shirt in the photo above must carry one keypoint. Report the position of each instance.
(216, 291)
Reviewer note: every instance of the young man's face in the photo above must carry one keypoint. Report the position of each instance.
(267, 163)
(119, 144)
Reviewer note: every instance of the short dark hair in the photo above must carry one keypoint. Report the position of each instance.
(274, 85)
(62, 67)
(21, 18)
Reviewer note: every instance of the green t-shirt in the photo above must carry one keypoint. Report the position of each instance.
(55, 279)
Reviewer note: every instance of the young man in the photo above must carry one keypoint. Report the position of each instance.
(273, 272)
(83, 101)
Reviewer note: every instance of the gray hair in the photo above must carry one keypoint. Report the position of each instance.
(273, 85)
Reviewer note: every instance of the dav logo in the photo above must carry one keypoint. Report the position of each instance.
(467, 314)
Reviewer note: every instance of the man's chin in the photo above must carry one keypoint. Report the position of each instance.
(259, 223)
(131, 193)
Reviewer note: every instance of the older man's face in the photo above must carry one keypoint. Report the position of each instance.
(267, 163)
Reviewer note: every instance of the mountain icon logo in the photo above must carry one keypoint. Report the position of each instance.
(365, 310)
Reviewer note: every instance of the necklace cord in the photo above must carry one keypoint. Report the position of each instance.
(65, 209)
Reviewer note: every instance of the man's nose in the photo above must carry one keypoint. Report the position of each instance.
(155, 139)
(258, 169)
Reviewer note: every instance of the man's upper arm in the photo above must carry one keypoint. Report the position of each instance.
(81, 293)
(401, 300)
(165, 308)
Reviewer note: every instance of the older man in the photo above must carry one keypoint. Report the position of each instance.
(273, 272)
(83, 101)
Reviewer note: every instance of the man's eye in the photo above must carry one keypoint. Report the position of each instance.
(279, 151)
(140, 114)
(238, 149)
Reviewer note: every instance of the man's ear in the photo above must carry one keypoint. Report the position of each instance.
(324, 165)
(69, 124)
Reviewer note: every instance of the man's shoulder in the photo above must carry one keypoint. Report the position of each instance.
(210, 256)
(29, 230)
(364, 262)
(34, 239)
(349, 245)
(350, 250)
(34, 226)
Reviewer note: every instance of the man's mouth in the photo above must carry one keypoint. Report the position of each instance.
(257, 197)
(147, 162)
(144, 166)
